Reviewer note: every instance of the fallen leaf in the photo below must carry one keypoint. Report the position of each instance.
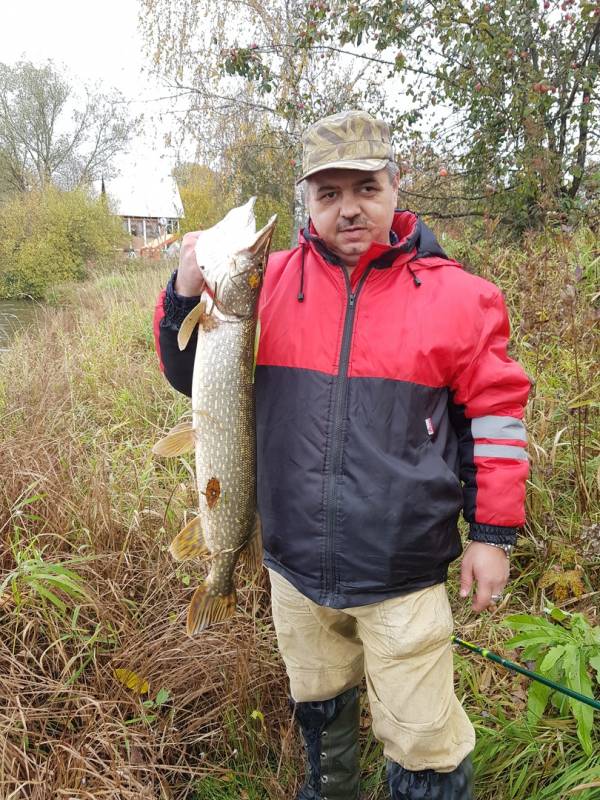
(132, 681)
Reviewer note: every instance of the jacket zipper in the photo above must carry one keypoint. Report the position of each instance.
(339, 413)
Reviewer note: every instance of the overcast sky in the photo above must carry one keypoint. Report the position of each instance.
(96, 42)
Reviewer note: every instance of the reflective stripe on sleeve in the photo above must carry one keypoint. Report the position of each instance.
(493, 427)
(500, 451)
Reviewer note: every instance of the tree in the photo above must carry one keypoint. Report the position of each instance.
(51, 236)
(513, 86)
(252, 165)
(49, 135)
(252, 75)
(503, 93)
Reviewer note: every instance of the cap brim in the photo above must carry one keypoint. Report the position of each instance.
(366, 164)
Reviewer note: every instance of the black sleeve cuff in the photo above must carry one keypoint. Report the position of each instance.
(176, 306)
(494, 534)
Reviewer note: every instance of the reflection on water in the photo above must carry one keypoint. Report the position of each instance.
(14, 315)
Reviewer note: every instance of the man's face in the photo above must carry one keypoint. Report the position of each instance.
(351, 209)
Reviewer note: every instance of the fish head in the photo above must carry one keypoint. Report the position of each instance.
(232, 256)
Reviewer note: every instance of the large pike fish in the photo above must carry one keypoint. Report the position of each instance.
(231, 256)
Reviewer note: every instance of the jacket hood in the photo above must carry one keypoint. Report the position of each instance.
(409, 235)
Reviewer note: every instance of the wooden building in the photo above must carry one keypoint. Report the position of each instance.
(150, 207)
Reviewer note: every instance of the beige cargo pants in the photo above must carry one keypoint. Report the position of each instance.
(402, 647)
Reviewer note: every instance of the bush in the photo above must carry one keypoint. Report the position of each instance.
(49, 237)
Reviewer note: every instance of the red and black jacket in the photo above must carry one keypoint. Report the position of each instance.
(385, 402)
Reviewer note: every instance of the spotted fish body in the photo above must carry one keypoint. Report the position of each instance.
(231, 257)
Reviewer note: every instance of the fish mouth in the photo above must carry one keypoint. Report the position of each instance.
(249, 210)
(258, 250)
(262, 240)
(233, 250)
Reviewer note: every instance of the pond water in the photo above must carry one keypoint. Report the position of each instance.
(14, 315)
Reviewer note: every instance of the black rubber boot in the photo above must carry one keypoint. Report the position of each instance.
(428, 784)
(330, 731)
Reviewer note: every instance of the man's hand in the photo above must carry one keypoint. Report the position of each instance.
(189, 282)
(489, 568)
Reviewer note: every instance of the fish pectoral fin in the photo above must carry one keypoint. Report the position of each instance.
(252, 554)
(197, 316)
(189, 542)
(181, 439)
(207, 608)
(189, 323)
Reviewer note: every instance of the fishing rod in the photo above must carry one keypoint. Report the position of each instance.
(504, 662)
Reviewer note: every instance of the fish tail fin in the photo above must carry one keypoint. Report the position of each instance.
(252, 554)
(207, 608)
(181, 439)
(189, 542)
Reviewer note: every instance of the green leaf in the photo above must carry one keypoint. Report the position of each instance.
(538, 626)
(557, 613)
(162, 696)
(595, 664)
(583, 713)
(578, 679)
(537, 700)
(582, 629)
(47, 594)
(527, 622)
(529, 639)
(550, 659)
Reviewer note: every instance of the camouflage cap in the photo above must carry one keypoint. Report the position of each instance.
(350, 140)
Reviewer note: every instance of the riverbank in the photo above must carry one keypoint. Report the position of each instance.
(87, 513)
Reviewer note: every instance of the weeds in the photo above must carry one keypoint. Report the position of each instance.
(564, 653)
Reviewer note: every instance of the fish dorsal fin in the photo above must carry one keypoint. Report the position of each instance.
(181, 439)
(189, 542)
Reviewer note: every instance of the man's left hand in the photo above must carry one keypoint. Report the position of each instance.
(488, 567)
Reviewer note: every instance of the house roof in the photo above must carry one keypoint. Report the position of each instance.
(138, 195)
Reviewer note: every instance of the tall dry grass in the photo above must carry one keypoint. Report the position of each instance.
(82, 402)
(86, 516)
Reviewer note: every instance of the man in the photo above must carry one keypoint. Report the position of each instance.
(385, 401)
